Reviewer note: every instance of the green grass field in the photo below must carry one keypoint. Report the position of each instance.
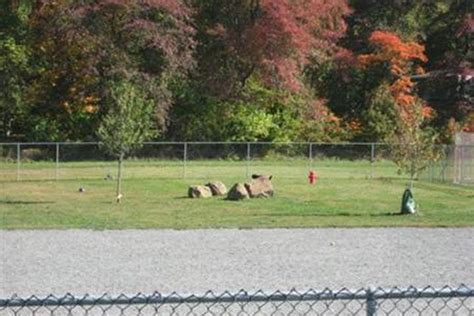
(155, 197)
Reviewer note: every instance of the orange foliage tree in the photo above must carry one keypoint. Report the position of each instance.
(402, 59)
(412, 142)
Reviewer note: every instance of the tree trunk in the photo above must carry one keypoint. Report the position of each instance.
(412, 172)
(119, 178)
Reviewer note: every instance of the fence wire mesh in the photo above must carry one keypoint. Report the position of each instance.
(220, 160)
(379, 301)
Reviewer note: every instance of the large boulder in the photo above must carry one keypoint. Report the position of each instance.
(199, 192)
(217, 188)
(238, 192)
(260, 187)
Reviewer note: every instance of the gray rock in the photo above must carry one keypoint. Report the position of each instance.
(260, 187)
(199, 192)
(217, 188)
(238, 192)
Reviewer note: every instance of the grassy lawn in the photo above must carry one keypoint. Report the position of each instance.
(343, 197)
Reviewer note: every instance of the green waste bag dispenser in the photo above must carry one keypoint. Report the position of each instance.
(408, 203)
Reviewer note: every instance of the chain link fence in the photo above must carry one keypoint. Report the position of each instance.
(221, 160)
(463, 157)
(379, 301)
(456, 166)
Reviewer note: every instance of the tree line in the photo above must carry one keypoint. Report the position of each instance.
(237, 70)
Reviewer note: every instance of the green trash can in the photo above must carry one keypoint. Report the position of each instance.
(408, 203)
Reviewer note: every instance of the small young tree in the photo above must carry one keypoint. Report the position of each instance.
(127, 124)
(414, 144)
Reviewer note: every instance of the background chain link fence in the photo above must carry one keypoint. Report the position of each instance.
(379, 301)
(71, 161)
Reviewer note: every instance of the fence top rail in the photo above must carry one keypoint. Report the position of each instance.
(241, 296)
(220, 143)
(47, 143)
(199, 143)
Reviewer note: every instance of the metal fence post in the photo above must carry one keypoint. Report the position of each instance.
(248, 160)
(56, 174)
(462, 171)
(372, 160)
(185, 158)
(310, 156)
(18, 153)
(371, 303)
(442, 165)
(432, 167)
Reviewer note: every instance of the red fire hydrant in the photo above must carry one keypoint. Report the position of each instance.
(312, 177)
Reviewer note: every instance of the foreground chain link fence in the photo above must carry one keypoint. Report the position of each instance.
(71, 161)
(379, 301)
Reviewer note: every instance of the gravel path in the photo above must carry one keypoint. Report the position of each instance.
(130, 261)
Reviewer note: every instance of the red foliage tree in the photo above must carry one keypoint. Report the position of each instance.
(84, 45)
(274, 38)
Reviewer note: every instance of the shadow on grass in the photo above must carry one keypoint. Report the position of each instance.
(325, 214)
(214, 198)
(181, 198)
(7, 202)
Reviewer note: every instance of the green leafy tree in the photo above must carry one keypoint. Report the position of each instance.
(258, 113)
(127, 124)
(14, 68)
(380, 119)
(13, 60)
